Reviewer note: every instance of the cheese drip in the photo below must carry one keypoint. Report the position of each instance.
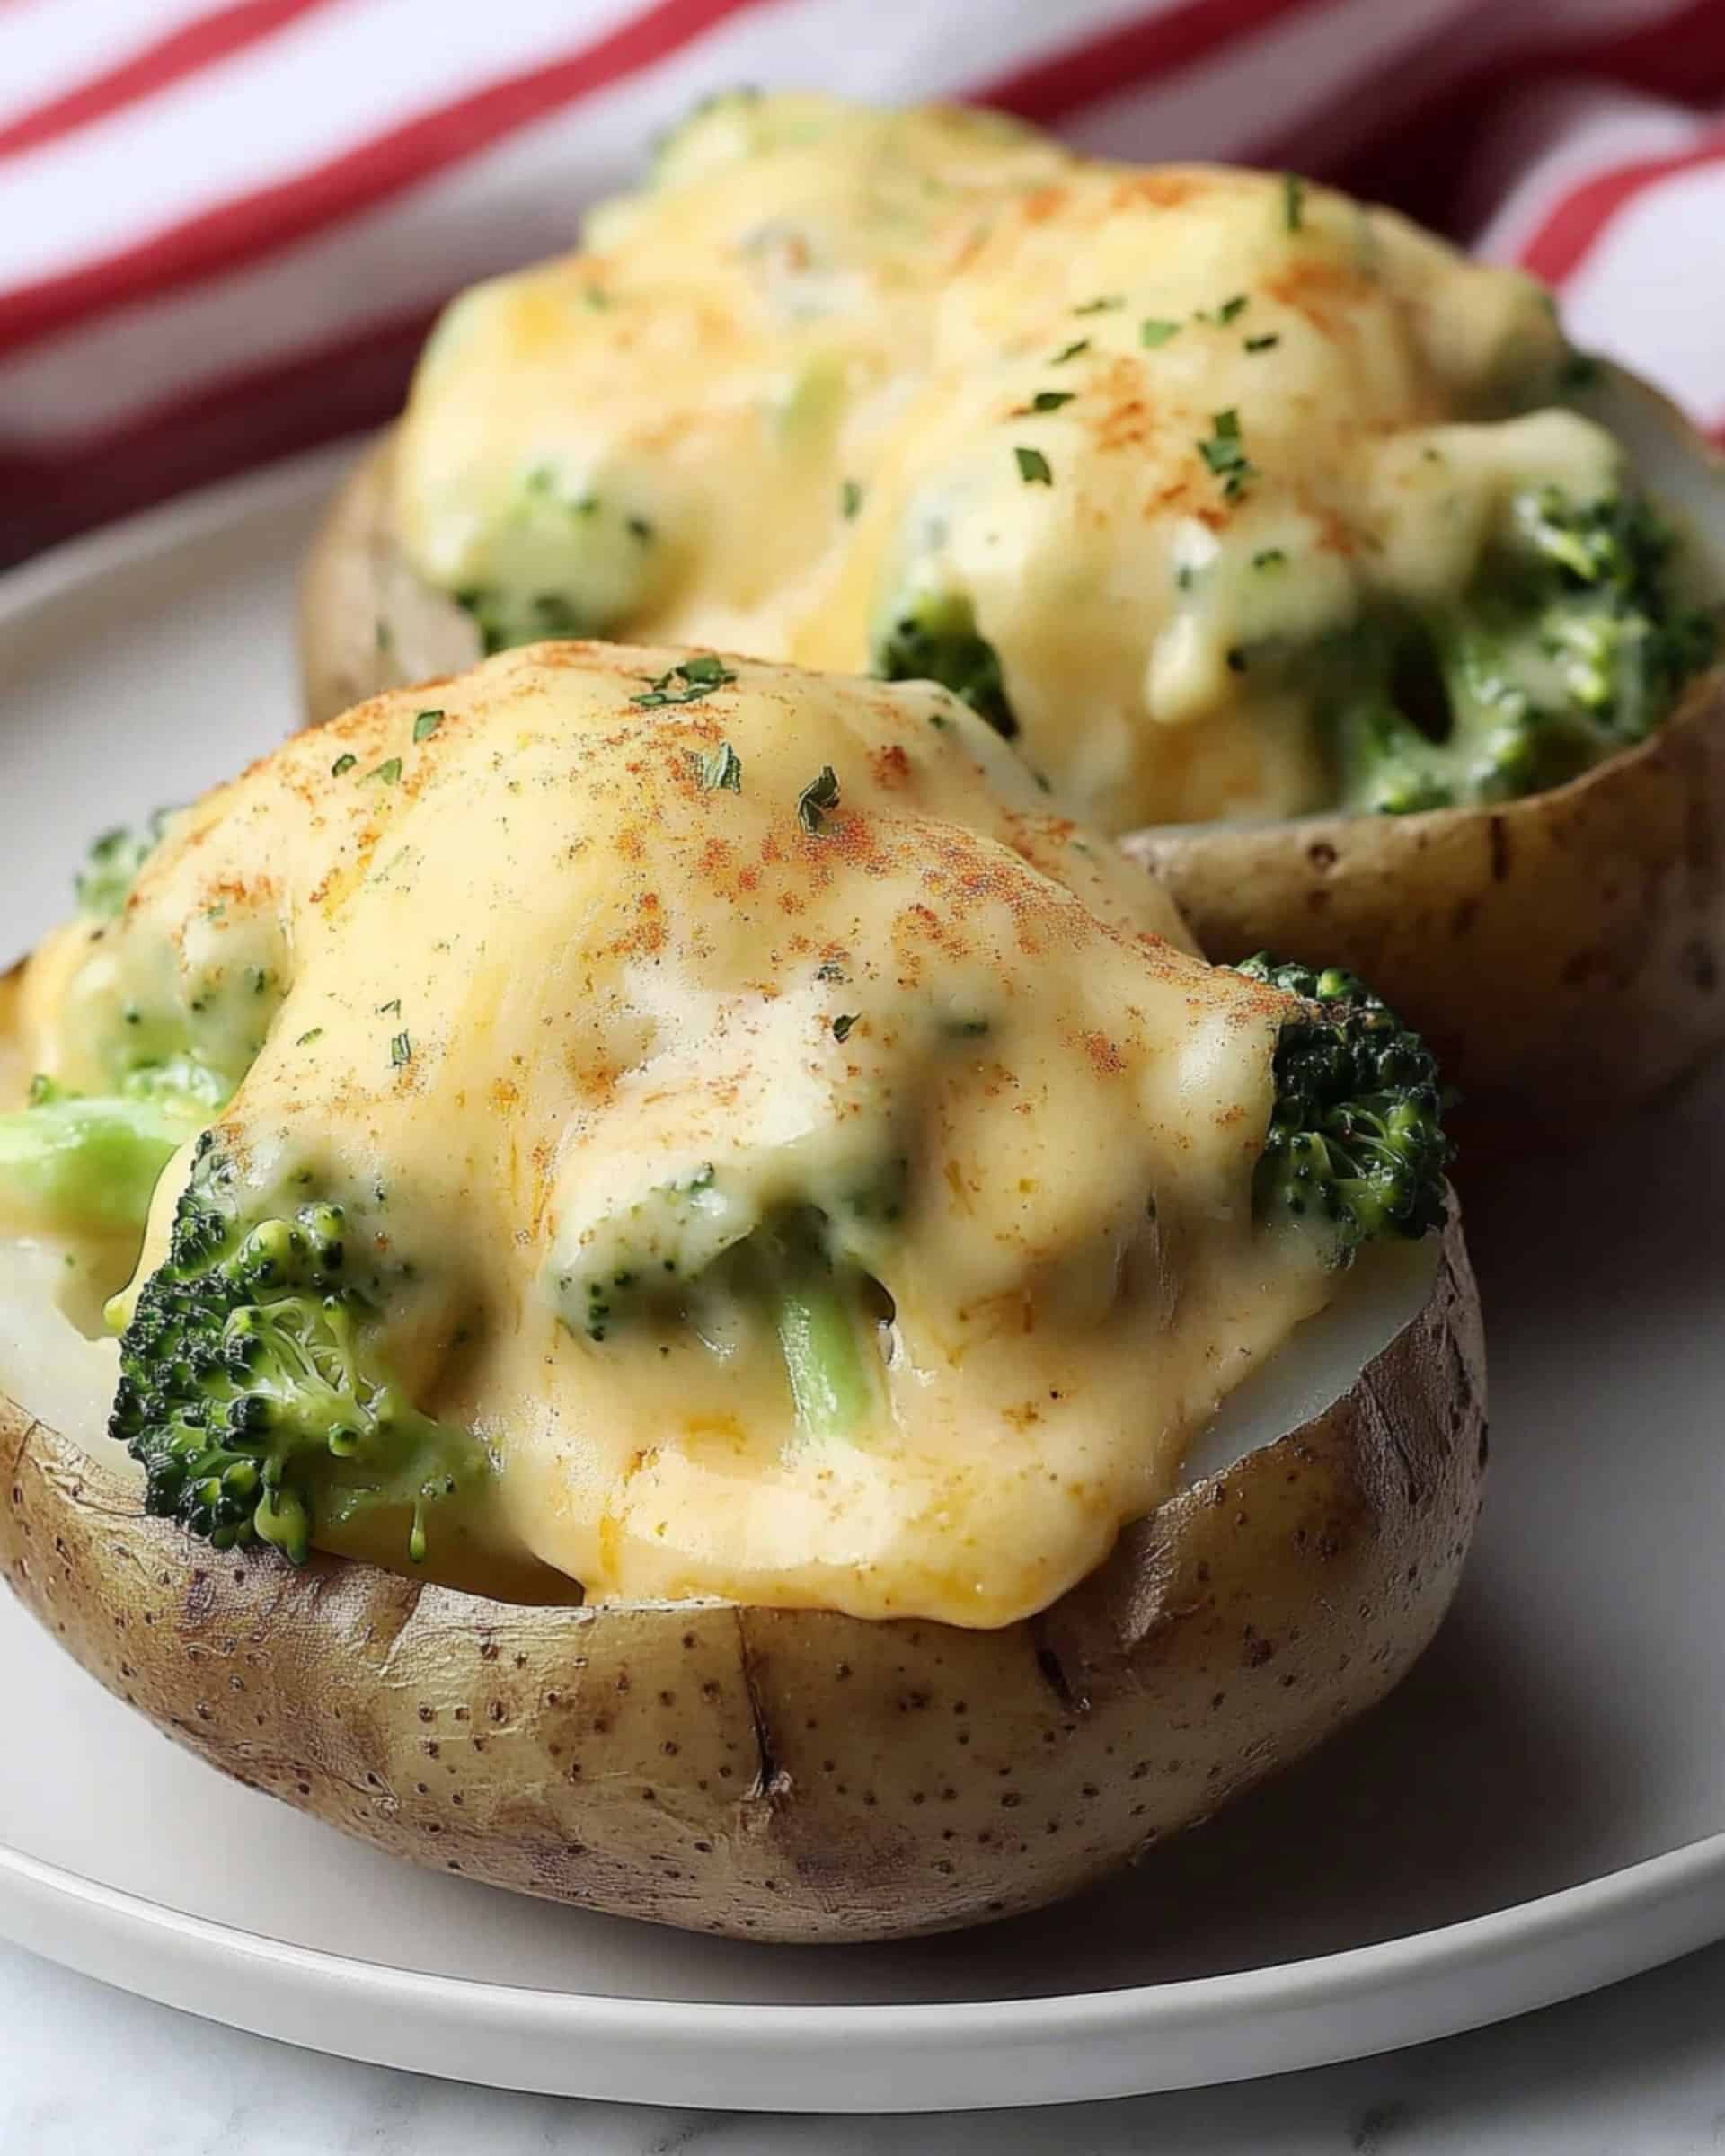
(1157, 436)
(627, 1011)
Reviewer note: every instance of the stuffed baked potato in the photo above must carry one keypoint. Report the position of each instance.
(1270, 531)
(715, 1317)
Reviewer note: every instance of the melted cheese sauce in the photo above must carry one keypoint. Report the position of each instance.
(525, 965)
(1160, 428)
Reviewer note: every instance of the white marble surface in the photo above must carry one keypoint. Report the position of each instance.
(1639, 2070)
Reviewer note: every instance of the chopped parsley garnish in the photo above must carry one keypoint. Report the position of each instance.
(1104, 305)
(640, 529)
(386, 773)
(850, 499)
(829, 969)
(1049, 399)
(817, 798)
(1262, 344)
(1070, 351)
(392, 1009)
(341, 766)
(1293, 201)
(401, 1051)
(1268, 557)
(1225, 454)
(386, 635)
(1229, 311)
(426, 725)
(721, 772)
(596, 296)
(687, 682)
(843, 1023)
(1033, 467)
(305, 1039)
(1155, 330)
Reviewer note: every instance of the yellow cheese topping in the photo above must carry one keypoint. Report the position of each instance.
(1153, 435)
(626, 1010)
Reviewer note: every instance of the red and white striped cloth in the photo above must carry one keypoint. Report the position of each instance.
(225, 229)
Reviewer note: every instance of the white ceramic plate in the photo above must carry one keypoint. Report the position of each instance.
(1536, 1812)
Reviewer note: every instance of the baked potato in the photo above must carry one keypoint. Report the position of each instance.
(717, 1318)
(1274, 535)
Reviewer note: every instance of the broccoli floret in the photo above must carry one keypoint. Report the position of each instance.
(76, 1166)
(1572, 645)
(251, 1391)
(934, 638)
(503, 621)
(564, 560)
(1355, 1146)
(112, 864)
(699, 1251)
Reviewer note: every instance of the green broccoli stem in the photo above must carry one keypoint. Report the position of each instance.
(814, 1311)
(88, 1167)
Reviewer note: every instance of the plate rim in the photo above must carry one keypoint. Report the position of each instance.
(1543, 1921)
(1538, 1951)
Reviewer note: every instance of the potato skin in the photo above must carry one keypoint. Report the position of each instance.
(1561, 954)
(366, 621)
(797, 1775)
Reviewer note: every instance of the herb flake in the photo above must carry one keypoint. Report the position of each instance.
(388, 772)
(1155, 330)
(1262, 344)
(1224, 453)
(1293, 202)
(817, 799)
(843, 1023)
(722, 770)
(1033, 467)
(850, 499)
(685, 682)
(1105, 305)
(1070, 351)
(426, 725)
(401, 1051)
(1049, 399)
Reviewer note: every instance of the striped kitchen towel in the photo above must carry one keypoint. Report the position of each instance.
(225, 229)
